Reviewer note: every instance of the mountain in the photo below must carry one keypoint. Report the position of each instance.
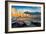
(33, 13)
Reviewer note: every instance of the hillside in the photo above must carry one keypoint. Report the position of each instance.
(33, 13)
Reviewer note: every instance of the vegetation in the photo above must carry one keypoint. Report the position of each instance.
(33, 13)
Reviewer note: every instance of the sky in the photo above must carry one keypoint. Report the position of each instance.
(27, 8)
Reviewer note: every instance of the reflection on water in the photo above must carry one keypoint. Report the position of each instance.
(33, 21)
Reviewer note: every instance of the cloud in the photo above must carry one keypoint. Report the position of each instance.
(27, 8)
